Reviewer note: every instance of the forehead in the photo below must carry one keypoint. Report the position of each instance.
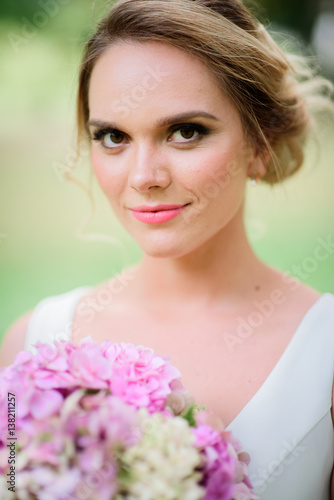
(151, 75)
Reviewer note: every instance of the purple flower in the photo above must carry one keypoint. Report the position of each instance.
(79, 410)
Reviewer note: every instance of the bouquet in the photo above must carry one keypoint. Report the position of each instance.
(110, 422)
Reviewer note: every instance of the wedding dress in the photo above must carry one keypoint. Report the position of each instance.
(286, 427)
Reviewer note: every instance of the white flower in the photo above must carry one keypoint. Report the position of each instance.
(162, 465)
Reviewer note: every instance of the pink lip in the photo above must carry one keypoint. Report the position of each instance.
(155, 208)
(157, 214)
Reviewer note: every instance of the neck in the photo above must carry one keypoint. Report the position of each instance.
(224, 268)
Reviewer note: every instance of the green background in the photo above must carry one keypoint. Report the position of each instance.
(41, 251)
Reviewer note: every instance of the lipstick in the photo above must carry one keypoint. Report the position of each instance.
(158, 213)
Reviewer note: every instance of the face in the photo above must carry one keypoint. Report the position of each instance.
(163, 133)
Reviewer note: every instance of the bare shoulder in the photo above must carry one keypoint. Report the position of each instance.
(14, 340)
(291, 297)
(298, 292)
(94, 309)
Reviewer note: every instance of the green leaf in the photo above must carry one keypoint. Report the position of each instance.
(82, 431)
(46, 436)
(190, 412)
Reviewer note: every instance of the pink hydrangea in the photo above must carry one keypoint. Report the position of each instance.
(225, 473)
(140, 378)
(219, 468)
(78, 412)
(76, 406)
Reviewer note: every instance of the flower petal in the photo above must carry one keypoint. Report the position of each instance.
(44, 404)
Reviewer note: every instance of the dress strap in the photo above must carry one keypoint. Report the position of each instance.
(297, 394)
(52, 318)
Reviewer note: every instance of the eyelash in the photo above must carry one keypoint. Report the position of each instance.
(196, 127)
(99, 134)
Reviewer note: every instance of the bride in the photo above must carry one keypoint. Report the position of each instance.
(183, 101)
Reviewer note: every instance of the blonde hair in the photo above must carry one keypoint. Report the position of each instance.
(276, 94)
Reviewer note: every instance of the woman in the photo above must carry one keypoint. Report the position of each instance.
(183, 101)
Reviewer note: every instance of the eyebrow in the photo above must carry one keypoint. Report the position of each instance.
(169, 120)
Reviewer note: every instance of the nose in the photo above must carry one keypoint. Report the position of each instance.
(148, 169)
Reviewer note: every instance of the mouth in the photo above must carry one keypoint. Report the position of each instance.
(157, 208)
(157, 214)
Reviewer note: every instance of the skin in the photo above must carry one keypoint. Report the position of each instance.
(201, 260)
(198, 272)
(150, 168)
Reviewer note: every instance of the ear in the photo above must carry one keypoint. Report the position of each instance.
(258, 164)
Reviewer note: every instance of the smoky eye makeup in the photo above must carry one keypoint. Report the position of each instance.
(190, 128)
(110, 137)
(98, 134)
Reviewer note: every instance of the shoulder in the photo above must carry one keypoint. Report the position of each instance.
(302, 299)
(285, 288)
(14, 340)
(305, 299)
(299, 300)
(51, 319)
(286, 303)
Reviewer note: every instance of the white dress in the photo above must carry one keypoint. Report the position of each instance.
(286, 427)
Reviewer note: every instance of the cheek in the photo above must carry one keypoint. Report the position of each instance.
(220, 171)
(106, 176)
(100, 168)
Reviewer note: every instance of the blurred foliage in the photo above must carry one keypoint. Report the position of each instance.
(297, 15)
(69, 18)
(18, 8)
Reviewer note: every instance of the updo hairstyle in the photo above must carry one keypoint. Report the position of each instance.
(275, 96)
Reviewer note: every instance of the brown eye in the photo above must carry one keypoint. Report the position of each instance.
(109, 138)
(112, 139)
(116, 137)
(187, 132)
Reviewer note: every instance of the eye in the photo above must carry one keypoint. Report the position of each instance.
(188, 132)
(109, 138)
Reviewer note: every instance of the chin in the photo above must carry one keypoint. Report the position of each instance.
(167, 248)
